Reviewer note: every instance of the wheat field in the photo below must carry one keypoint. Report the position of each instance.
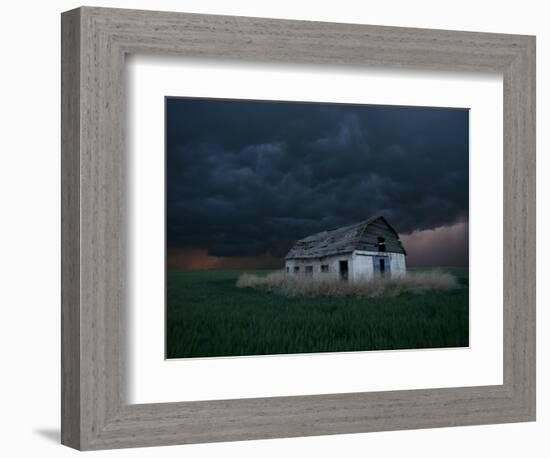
(297, 285)
(208, 315)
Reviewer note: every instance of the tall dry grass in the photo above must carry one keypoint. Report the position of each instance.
(296, 285)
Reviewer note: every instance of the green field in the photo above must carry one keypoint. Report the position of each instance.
(207, 315)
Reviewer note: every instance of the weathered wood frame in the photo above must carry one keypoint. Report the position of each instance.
(95, 414)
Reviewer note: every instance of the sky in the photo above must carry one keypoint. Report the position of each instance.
(246, 179)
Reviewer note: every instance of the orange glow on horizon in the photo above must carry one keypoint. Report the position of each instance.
(198, 258)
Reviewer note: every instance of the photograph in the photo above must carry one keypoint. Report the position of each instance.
(311, 227)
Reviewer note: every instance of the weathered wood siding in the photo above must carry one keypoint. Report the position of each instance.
(345, 240)
(369, 239)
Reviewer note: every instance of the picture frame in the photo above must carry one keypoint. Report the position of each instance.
(95, 410)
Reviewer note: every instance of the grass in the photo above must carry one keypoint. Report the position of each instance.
(208, 315)
(314, 286)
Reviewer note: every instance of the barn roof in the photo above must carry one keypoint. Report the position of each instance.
(338, 241)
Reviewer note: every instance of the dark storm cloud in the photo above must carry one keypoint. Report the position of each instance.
(249, 178)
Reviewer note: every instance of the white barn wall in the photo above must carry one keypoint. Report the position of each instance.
(362, 260)
(398, 264)
(360, 265)
(331, 261)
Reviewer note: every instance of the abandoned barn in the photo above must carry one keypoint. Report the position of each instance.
(364, 250)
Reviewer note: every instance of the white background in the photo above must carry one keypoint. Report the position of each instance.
(29, 250)
(152, 379)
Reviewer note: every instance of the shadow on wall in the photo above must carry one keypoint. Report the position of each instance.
(53, 435)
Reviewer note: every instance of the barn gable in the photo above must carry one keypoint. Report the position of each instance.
(365, 235)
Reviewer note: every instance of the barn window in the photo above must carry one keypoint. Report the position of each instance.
(381, 244)
(324, 268)
(309, 270)
(296, 269)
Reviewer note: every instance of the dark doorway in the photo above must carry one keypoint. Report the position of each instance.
(382, 266)
(344, 270)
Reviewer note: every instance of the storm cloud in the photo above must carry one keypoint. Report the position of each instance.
(246, 179)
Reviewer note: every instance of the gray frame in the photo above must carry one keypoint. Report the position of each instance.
(95, 414)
